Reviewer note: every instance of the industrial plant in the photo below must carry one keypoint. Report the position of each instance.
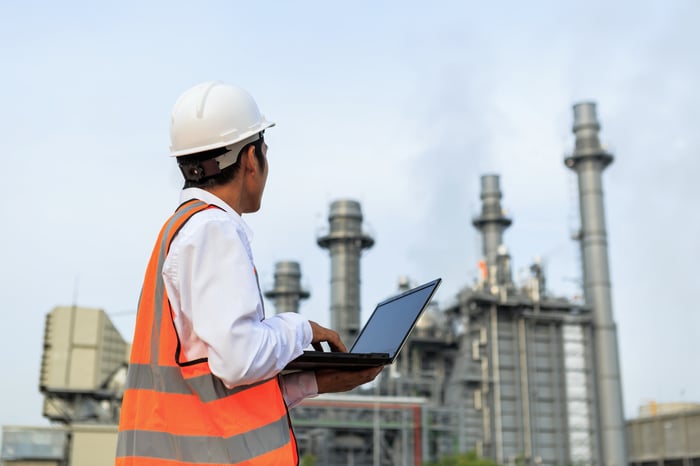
(507, 370)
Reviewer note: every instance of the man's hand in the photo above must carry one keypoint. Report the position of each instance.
(333, 381)
(321, 334)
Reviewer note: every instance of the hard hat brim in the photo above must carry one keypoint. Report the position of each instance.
(223, 142)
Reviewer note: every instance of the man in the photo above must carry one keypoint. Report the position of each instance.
(204, 383)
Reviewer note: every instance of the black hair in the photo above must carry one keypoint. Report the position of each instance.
(202, 171)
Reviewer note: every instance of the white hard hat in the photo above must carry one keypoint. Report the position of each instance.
(213, 115)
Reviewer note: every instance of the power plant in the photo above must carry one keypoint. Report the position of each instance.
(506, 369)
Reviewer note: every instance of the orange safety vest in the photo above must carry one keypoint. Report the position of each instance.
(178, 413)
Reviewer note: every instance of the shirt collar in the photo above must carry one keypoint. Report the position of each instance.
(205, 196)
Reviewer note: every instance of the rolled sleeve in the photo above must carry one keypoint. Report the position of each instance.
(297, 386)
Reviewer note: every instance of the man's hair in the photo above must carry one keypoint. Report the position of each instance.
(190, 163)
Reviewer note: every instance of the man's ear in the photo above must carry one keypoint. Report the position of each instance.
(249, 159)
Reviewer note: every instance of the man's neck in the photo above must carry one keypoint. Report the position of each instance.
(230, 194)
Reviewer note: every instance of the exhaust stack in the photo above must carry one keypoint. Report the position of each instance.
(492, 223)
(287, 291)
(588, 161)
(345, 241)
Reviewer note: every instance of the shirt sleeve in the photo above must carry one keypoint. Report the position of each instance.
(297, 386)
(218, 288)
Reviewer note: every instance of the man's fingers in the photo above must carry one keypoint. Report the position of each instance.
(321, 334)
(337, 346)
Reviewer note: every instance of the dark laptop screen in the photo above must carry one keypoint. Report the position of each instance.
(391, 321)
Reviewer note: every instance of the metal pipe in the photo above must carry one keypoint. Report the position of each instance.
(524, 386)
(345, 241)
(496, 377)
(588, 161)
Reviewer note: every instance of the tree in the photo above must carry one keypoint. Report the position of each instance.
(308, 460)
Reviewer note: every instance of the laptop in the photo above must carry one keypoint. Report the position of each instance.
(381, 338)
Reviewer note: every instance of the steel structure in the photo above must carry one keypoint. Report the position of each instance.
(519, 370)
(588, 160)
(523, 379)
(345, 240)
(361, 429)
(504, 369)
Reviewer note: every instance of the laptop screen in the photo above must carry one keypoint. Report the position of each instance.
(392, 320)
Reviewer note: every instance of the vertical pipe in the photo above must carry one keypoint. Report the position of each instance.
(423, 420)
(558, 388)
(345, 241)
(588, 161)
(496, 369)
(376, 458)
(524, 386)
(417, 437)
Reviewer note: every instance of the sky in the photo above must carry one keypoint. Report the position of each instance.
(402, 106)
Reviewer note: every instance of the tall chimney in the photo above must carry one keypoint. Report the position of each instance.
(492, 222)
(345, 241)
(588, 160)
(287, 291)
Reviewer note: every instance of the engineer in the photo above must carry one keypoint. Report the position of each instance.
(205, 382)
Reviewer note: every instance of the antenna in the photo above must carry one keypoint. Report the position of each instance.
(76, 285)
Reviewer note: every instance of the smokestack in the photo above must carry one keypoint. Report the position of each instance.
(492, 222)
(345, 241)
(588, 161)
(287, 291)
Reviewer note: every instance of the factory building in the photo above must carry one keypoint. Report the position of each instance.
(665, 434)
(83, 370)
(509, 370)
(523, 379)
(506, 369)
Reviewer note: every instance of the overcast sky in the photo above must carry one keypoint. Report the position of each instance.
(399, 105)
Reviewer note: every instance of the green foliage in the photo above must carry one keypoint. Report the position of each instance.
(308, 460)
(464, 459)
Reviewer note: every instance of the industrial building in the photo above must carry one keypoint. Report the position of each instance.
(665, 434)
(83, 370)
(507, 369)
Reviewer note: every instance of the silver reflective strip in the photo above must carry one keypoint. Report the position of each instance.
(204, 450)
(168, 379)
(160, 286)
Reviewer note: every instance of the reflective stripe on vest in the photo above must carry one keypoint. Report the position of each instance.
(179, 413)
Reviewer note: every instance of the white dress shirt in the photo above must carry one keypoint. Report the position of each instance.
(213, 288)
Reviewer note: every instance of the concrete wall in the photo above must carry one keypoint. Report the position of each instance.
(30, 463)
(93, 445)
(663, 438)
(87, 445)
